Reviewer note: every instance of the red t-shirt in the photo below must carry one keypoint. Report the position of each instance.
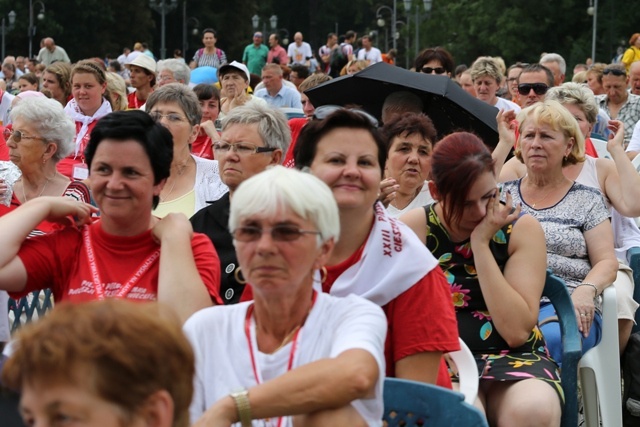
(203, 147)
(66, 165)
(296, 126)
(4, 150)
(134, 102)
(419, 320)
(59, 261)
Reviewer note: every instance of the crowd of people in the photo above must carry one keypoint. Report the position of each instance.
(300, 253)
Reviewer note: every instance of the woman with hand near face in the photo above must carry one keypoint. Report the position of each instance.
(209, 100)
(234, 78)
(91, 102)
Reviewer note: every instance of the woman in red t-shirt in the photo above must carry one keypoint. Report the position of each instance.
(209, 100)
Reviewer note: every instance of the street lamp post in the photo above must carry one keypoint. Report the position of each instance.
(163, 7)
(7, 28)
(185, 28)
(427, 4)
(381, 24)
(273, 22)
(32, 28)
(593, 10)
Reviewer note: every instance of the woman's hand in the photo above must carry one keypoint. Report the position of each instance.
(4, 189)
(388, 188)
(498, 215)
(174, 224)
(67, 211)
(583, 297)
(209, 128)
(616, 137)
(507, 128)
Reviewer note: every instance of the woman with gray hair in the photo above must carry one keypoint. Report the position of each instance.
(253, 138)
(194, 181)
(487, 77)
(293, 353)
(41, 135)
(173, 71)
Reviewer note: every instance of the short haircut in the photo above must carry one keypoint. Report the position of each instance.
(205, 92)
(273, 67)
(62, 71)
(534, 68)
(486, 66)
(122, 351)
(49, 120)
(210, 30)
(554, 57)
(457, 162)
(278, 188)
(311, 134)
(302, 70)
(597, 70)
(619, 67)
(350, 35)
(156, 140)
(89, 66)
(516, 65)
(401, 102)
(180, 94)
(178, 67)
(272, 124)
(409, 124)
(578, 95)
(31, 78)
(117, 85)
(435, 53)
(313, 80)
(331, 35)
(553, 114)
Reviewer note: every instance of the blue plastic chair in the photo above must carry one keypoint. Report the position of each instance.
(556, 290)
(633, 255)
(28, 309)
(410, 403)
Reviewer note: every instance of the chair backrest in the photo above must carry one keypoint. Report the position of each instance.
(410, 403)
(29, 307)
(601, 148)
(467, 372)
(633, 255)
(556, 290)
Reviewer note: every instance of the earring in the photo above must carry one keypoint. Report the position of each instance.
(236, 275)
(323, 274)
(565, 158)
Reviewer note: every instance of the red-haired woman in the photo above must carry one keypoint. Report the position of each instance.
(495, 260)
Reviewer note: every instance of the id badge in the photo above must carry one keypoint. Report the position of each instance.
(80, 172)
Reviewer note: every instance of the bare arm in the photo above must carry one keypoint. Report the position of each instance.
(421, 367)
(506, 130)
(622, 182)
(179, 279)
(416, 219)
(512, 297)
(324, 384)
(16, 226)
(192, 64)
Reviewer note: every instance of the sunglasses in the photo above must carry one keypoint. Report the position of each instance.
(429, 70)
(17, 135)
(614, 71)
(279, 233)
(538, 88)
(324, 111)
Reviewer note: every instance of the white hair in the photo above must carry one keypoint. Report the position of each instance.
(279, 188)
(554, 57)
(179, 69)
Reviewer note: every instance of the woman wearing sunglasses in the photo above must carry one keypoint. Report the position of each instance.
(435, 60)
(127, 253)
(41, 135)
(194, 181)
(253, 138)
(375, 256)
(293, 355)
(495, 262)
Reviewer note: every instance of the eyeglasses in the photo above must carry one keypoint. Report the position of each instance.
(242, 148)
(325, 111)
(279, 233)
(17, 135)
(538, 88)
(614, 71)
(429, 70)
(164, 78)
(171, 117)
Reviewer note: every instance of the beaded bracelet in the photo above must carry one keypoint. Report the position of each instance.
(589, 284)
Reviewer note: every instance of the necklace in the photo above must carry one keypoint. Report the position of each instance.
(533, 205)
(24, 194)
(181, 169)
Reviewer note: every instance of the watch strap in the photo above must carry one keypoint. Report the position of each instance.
(241, 399)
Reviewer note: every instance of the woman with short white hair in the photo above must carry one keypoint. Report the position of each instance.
(173, 71)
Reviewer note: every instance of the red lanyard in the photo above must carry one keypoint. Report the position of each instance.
(292, 352)
(95, 274)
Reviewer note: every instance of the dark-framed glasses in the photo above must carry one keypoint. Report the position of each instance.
(614, 71)
(171, 117)
(279, 233)
(242, 148)
(17, 135)
(325, 111)
(538, 88)
(430, 70)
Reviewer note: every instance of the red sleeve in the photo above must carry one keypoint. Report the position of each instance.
(422, 319)
(4, 150)
(295, 125)
(208, 265)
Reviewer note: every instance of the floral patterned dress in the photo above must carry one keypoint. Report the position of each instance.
(496, 360)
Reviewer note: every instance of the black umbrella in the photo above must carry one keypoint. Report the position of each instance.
(447, 104)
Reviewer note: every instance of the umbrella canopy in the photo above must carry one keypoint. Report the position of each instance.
(447, 104)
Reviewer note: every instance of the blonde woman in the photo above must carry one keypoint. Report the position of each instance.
(118, 89)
